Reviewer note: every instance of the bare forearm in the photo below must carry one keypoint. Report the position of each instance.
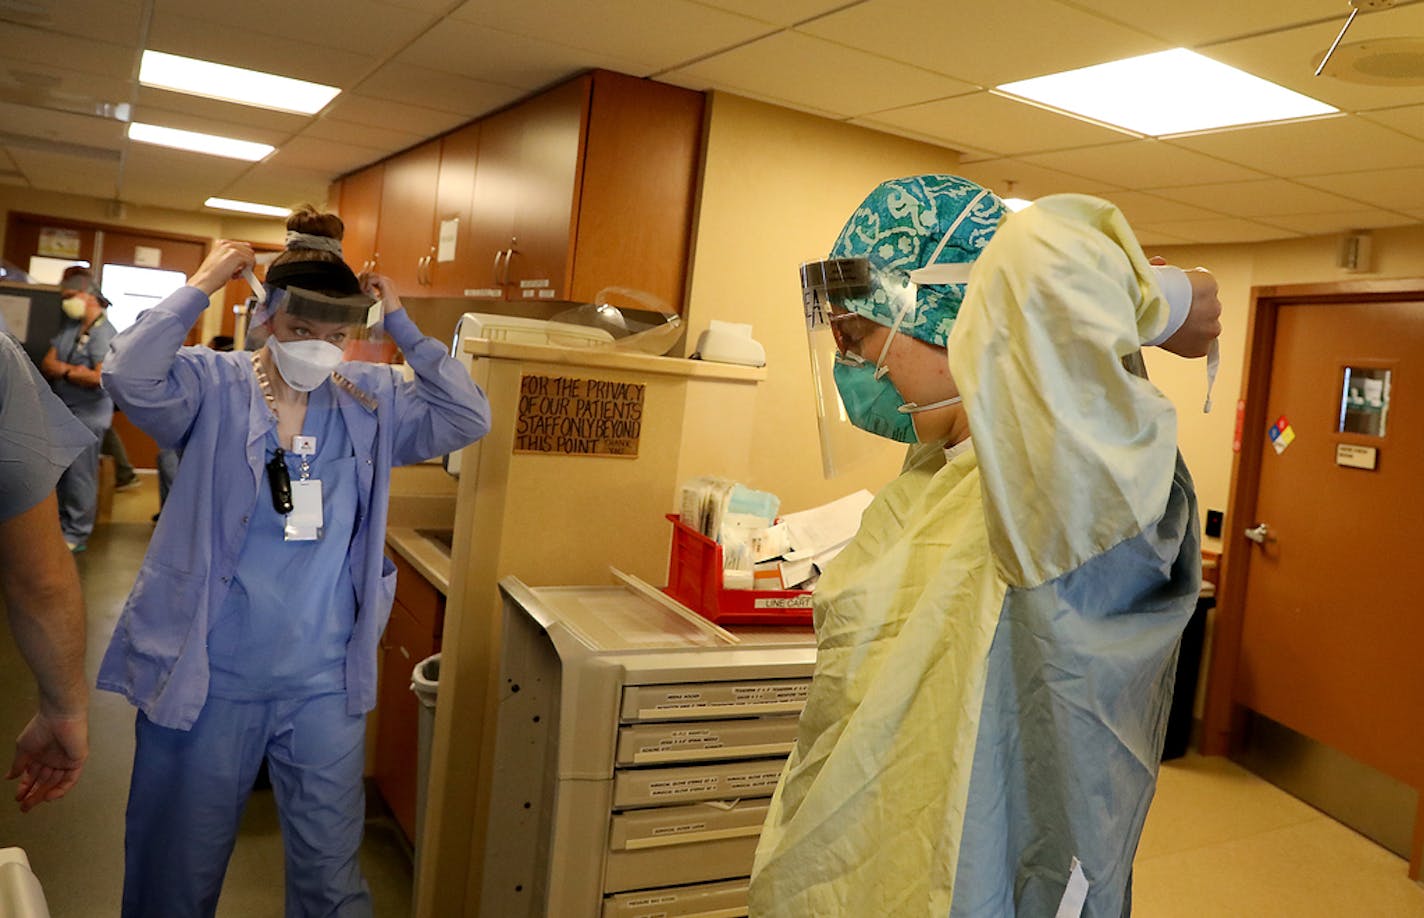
(45, 607)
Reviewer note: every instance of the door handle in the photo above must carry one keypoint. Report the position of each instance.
(509, 257)
(1260, 534)
(498, 255)
(430, 268)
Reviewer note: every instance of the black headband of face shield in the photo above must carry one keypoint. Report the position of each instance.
(325, 276)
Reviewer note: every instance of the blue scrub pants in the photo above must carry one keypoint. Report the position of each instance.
(189, 789)
(78, 487)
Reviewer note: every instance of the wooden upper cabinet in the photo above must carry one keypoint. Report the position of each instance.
(455, 188)
(638, 192)
(359, 207)
(405, 238)
(589, 185)
(540, 263)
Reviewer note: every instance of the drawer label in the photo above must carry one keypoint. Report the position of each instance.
(681, 829)
(759, 781)
(675, 787)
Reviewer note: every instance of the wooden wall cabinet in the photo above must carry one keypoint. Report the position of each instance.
(588, 185)
(357, 200)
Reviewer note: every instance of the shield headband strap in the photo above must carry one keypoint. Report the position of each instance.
(333, 278)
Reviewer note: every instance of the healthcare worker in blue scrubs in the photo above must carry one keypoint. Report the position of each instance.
(251, 630)
(73, 365)
(996, 646)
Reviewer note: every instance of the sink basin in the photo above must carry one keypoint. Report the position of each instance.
(445, 538)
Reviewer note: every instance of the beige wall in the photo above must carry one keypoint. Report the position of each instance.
(1206, 440)
(777, 187)
(210, 224)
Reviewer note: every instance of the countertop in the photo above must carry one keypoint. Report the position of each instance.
(428, 551)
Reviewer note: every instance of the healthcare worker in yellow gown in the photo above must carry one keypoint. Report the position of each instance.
(997, 645)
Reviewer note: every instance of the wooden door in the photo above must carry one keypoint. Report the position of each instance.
(397, 729)
(459, 158)
(492, 204)
(1321, 628)
(360, 209)
(405, 236)
(551, 145)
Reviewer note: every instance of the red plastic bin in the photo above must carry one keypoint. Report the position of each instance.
(695, 580)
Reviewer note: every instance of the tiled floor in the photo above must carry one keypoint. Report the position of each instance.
(1220, 842)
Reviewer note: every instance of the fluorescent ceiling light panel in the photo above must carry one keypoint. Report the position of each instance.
(198, 143)
(1170, 92)
(233, 84)
(247, 207)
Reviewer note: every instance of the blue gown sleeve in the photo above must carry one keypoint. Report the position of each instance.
(157, 385)
(442, 409)
(39, 438)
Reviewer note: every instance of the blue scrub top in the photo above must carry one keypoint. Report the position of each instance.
(283, 629)
(84, 350)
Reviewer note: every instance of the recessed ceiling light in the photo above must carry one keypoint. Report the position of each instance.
(233, 84)
(198, 143)
(1170, 92)
(247, 207)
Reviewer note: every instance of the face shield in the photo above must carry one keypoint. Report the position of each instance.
(633, 320)
(837, 334)
(358, 309)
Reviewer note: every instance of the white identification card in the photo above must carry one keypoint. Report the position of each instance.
(305, 521)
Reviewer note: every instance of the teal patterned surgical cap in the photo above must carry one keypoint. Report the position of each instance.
(898, 226)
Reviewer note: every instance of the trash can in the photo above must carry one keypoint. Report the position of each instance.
(425, 682)
(1184, 695)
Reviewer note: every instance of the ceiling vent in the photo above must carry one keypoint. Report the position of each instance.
(1379, 62)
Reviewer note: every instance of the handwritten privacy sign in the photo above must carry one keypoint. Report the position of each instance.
(578, 417)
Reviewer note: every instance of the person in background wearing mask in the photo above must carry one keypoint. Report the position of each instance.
(39, 439)
(77, 277)
(73, 366)
(253, 624)
(997, 644)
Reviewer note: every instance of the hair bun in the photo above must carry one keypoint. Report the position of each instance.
(307, 219)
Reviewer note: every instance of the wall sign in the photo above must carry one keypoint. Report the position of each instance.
(59, 243)
(1356, 457)
(1282, 434)
(571, 416)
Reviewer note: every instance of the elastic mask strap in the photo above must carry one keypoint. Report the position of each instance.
(1213, 363)
(912, 408)
(880, 368)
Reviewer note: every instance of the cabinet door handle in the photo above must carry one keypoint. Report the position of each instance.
(508, 259)
(430, 268)
(422, 271)
(498, 255)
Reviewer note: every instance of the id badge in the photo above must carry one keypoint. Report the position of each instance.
(304, 523)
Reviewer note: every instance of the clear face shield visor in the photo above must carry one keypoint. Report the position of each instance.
(836, 334)
(356, 309)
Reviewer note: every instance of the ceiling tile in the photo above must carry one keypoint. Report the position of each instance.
(805, 71)
(1263, 198)
(1223, 229)
(285, 56)
(1341, 143)
(999, 42)
(783, 13)
(1342, 222)
(448, 92)
(1141, 207)
(186, 122)
(1151, 237)
(326, 156)
(35, 46)
(360, 135)
(1393, 189)
(1029, 180)
(70, 174)
(244, 116)
(1290, 57)
(500, 57)
(111, 21)
(46, 86)
(368, 28)
(61, 127)
(270, 183)
(657, 35)
(1408, 119)
(1204, 21)
(1142, 164)
(172, 178)
(989, 122)
(381, 113)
